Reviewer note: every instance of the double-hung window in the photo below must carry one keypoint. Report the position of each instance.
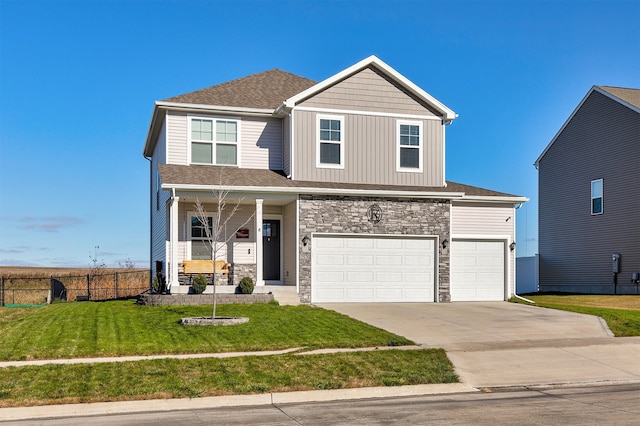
(409, 146)
(214, 141)
(597, 192)
(330, 146)
(200, 243)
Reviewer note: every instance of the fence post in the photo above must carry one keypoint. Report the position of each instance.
(1, 291)
(88, 286)
(116, 282)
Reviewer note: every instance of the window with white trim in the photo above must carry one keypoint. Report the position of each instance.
(330, 146)
(200, 247)
(409, 146)
(214, 141)
(597, 192)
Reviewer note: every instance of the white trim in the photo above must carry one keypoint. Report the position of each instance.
(212, 108)
(444, 152)
(399, 147)
(259, 280)
(281, 230)
(292, 152)
(449, 115)
(173, 240)
(340, 143)
(214, 142)
(297, 245)
(369, 113)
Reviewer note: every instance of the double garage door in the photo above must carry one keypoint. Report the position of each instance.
(372, 269)
(399, 269)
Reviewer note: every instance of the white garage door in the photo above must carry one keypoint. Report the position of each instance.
(372, 269)
(477, 270)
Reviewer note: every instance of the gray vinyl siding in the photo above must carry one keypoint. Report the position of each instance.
(370, 151)
(368, 90)
(290, 243)
(487, 220)
(286, 145)
(602, 141)
(177, 138)
(261, 143)
(158, 208)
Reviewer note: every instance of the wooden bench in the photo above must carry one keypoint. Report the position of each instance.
(203, 267)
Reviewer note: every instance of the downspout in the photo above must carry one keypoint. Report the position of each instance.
(515, 294)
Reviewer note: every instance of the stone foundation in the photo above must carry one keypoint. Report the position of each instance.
(202, 299)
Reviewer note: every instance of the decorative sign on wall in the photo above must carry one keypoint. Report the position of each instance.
(374, 213)
(242, 233)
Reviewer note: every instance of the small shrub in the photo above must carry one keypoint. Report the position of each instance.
(246, 285)
(199, 284)
(159, 284)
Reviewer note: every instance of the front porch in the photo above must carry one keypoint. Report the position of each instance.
(258, 240)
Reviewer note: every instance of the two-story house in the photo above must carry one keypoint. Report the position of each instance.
(344, 182)
(589, 197)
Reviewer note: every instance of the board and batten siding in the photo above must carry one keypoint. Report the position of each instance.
(286, 145)
(368, 90)
(370, 151)
(601, 141)
(477, 221)
(260, 144)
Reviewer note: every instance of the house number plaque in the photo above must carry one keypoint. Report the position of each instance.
(374, 213)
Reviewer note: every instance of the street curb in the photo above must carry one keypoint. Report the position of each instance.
(163, 405)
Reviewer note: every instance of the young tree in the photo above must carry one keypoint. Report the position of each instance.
(216, 235)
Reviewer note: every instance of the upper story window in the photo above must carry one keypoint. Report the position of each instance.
(597, 191)
(214, 141)
(409, 146)
(330, 146)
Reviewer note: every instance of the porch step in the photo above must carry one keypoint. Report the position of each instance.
(284, 295)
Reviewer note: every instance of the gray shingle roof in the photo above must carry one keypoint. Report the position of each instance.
(265, 90)
(176, 174)
(630, 96)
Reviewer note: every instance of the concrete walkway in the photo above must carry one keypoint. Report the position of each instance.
(493, 344)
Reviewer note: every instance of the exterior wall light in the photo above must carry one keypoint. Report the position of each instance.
(445, 244)
(305, 241)
(512, 246)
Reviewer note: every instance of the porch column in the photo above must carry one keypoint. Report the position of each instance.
(259, 280)
(173, 243)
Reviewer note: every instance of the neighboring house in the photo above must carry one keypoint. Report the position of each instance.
(346, 182)
(589, 192)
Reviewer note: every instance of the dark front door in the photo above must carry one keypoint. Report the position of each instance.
(271, 250)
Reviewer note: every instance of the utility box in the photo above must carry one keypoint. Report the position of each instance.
(615, 262)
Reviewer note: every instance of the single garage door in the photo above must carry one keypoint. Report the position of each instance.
(477, 270)
(372, 269)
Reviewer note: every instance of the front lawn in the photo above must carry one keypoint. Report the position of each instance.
(191, 378)
(117, 328)
(622, 313)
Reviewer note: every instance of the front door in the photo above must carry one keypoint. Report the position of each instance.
(271, 250)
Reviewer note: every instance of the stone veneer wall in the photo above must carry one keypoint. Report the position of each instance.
(400, 216)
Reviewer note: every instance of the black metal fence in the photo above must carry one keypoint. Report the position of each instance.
(19, 290)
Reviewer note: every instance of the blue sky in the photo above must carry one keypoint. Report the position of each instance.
(78, 81)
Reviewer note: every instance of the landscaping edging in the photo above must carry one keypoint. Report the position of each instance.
(202, 299)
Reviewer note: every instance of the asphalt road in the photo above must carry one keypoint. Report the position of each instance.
(596, 405)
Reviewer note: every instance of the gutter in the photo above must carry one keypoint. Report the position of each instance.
(317, 191)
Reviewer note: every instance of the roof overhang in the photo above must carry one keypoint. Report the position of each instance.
(447, 113)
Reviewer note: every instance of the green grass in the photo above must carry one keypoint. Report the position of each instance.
(170, 378)
(621, 322)
(116, 328)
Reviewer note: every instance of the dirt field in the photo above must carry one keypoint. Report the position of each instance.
(36, 272)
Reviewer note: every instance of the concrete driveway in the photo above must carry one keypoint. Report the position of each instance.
(506, 344)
